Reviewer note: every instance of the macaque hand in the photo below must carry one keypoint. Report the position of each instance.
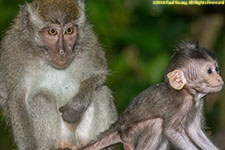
(69, 113)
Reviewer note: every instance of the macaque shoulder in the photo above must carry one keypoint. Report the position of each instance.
(153, 94)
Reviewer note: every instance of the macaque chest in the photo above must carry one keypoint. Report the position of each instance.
(62, 85)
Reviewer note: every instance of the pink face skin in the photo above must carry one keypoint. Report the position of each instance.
(60, 41)
(201, 76)
(207, 79)
(210, 73)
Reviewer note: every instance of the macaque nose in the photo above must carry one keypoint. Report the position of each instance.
(219, 78)
(61, 52)
(61, 46)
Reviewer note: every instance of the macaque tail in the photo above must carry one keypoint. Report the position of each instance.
(104, 141)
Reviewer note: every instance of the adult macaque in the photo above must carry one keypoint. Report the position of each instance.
(52, 77)
(169, 112)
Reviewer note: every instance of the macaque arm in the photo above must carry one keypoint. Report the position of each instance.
(198, 136)
(180, 139)
(73, 110)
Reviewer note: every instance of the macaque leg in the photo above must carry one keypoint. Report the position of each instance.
(180, 139)
(145, 135)
(20, 124)
(198, 136)
(45, 123)
(35, 121)
(155, 135)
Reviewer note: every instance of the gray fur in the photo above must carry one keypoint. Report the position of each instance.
(188, 45)
(32, 91)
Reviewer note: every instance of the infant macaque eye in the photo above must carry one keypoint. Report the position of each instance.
(209, 71)
(217, 69)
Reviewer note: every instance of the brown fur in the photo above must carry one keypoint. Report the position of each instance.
(49, 9)
(161, 114)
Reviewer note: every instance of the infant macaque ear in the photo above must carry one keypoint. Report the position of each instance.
(176, 79)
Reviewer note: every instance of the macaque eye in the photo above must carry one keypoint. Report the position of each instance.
(69, 30)
(52, 32)
(217, 69)
(209, 71)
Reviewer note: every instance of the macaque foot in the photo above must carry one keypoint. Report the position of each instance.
(128, 147)
(65, 145)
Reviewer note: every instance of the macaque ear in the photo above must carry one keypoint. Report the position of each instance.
(176, 79)
(30, 17)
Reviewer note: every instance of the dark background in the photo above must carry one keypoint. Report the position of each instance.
(139, 39)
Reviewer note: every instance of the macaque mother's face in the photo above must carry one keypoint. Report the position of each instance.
(60, 41)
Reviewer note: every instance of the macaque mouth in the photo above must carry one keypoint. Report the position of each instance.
(217, 86)
(60, 64)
